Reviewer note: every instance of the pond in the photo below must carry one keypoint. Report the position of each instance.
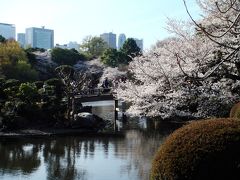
(126, 157)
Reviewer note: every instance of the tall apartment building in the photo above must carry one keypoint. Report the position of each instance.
(8, 31)
(40, 37)
(21, 39)
(139, 43)
(110, 39)
(121, 40)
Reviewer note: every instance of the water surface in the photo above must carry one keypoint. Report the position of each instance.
(125, 157)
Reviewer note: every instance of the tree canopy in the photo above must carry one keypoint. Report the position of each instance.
(130, 48)
(194, 74)
(112, 57)
(14, 62)
(66, 56)
(93, 46)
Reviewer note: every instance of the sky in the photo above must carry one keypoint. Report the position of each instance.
(73, 20)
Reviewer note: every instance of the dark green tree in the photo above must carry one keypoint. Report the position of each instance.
(31, 56)
(93, 46)
(66, 56)
(130, 49)
(21, 71)
(112, 57)
(57, 87)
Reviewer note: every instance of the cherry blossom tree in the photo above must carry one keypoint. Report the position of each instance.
(191, 75)
(221, 25)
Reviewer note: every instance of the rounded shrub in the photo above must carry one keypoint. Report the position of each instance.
(207, 149)
(235, 111)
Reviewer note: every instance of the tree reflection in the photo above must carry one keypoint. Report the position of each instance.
(143, 144)
(60, 157)
(19, 155)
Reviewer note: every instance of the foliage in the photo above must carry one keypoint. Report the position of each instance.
(163, 85)
(57, 87)
(12, 83)
(35, 49)
(23, 103)
(66, 56)
(14, 63)
(11, 53)
(207, 149)
(114, 75)
(114, 58)
(2, 39)
(2, 83)
(111, 57)
(31, 56)
(93, 46)
(21, 71)
(28, 92)
(38, 84)
(235, 111)
(130, 48)
(10, 88)
(189, 75)
(73, 83)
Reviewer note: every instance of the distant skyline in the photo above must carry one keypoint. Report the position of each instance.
(73, 20)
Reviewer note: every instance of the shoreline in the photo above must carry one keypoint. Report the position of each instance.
(57, 133)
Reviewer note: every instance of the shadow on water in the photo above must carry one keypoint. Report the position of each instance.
(85, 158)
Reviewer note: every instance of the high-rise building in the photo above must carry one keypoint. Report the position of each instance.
(139, 43)
(8, 31)
(110, 39)
(121, 40)
(21, 39)
(40, 37)
(73, 45)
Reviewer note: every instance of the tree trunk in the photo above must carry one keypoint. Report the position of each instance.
(73, 107)
(68, 107)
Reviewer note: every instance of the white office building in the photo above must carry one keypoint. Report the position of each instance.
(73, 45)
(121, 40)
(110, 39)
(21, 39)
(8, 31)
(40, 38)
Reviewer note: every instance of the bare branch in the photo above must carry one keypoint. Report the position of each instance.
(179, 64)
(218, 65)
(211, 36)
(228, 9)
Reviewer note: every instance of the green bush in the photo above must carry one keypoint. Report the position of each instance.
(235, 111)
(207, 149)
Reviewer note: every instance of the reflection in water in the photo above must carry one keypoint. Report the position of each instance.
(18, 155)
(71, 158)
(101, 107)
(83, 158)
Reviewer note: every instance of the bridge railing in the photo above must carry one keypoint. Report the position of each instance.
(95, 92)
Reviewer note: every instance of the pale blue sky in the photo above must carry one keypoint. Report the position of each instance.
(72, 20)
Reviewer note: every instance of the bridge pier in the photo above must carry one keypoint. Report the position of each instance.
(115, 114)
